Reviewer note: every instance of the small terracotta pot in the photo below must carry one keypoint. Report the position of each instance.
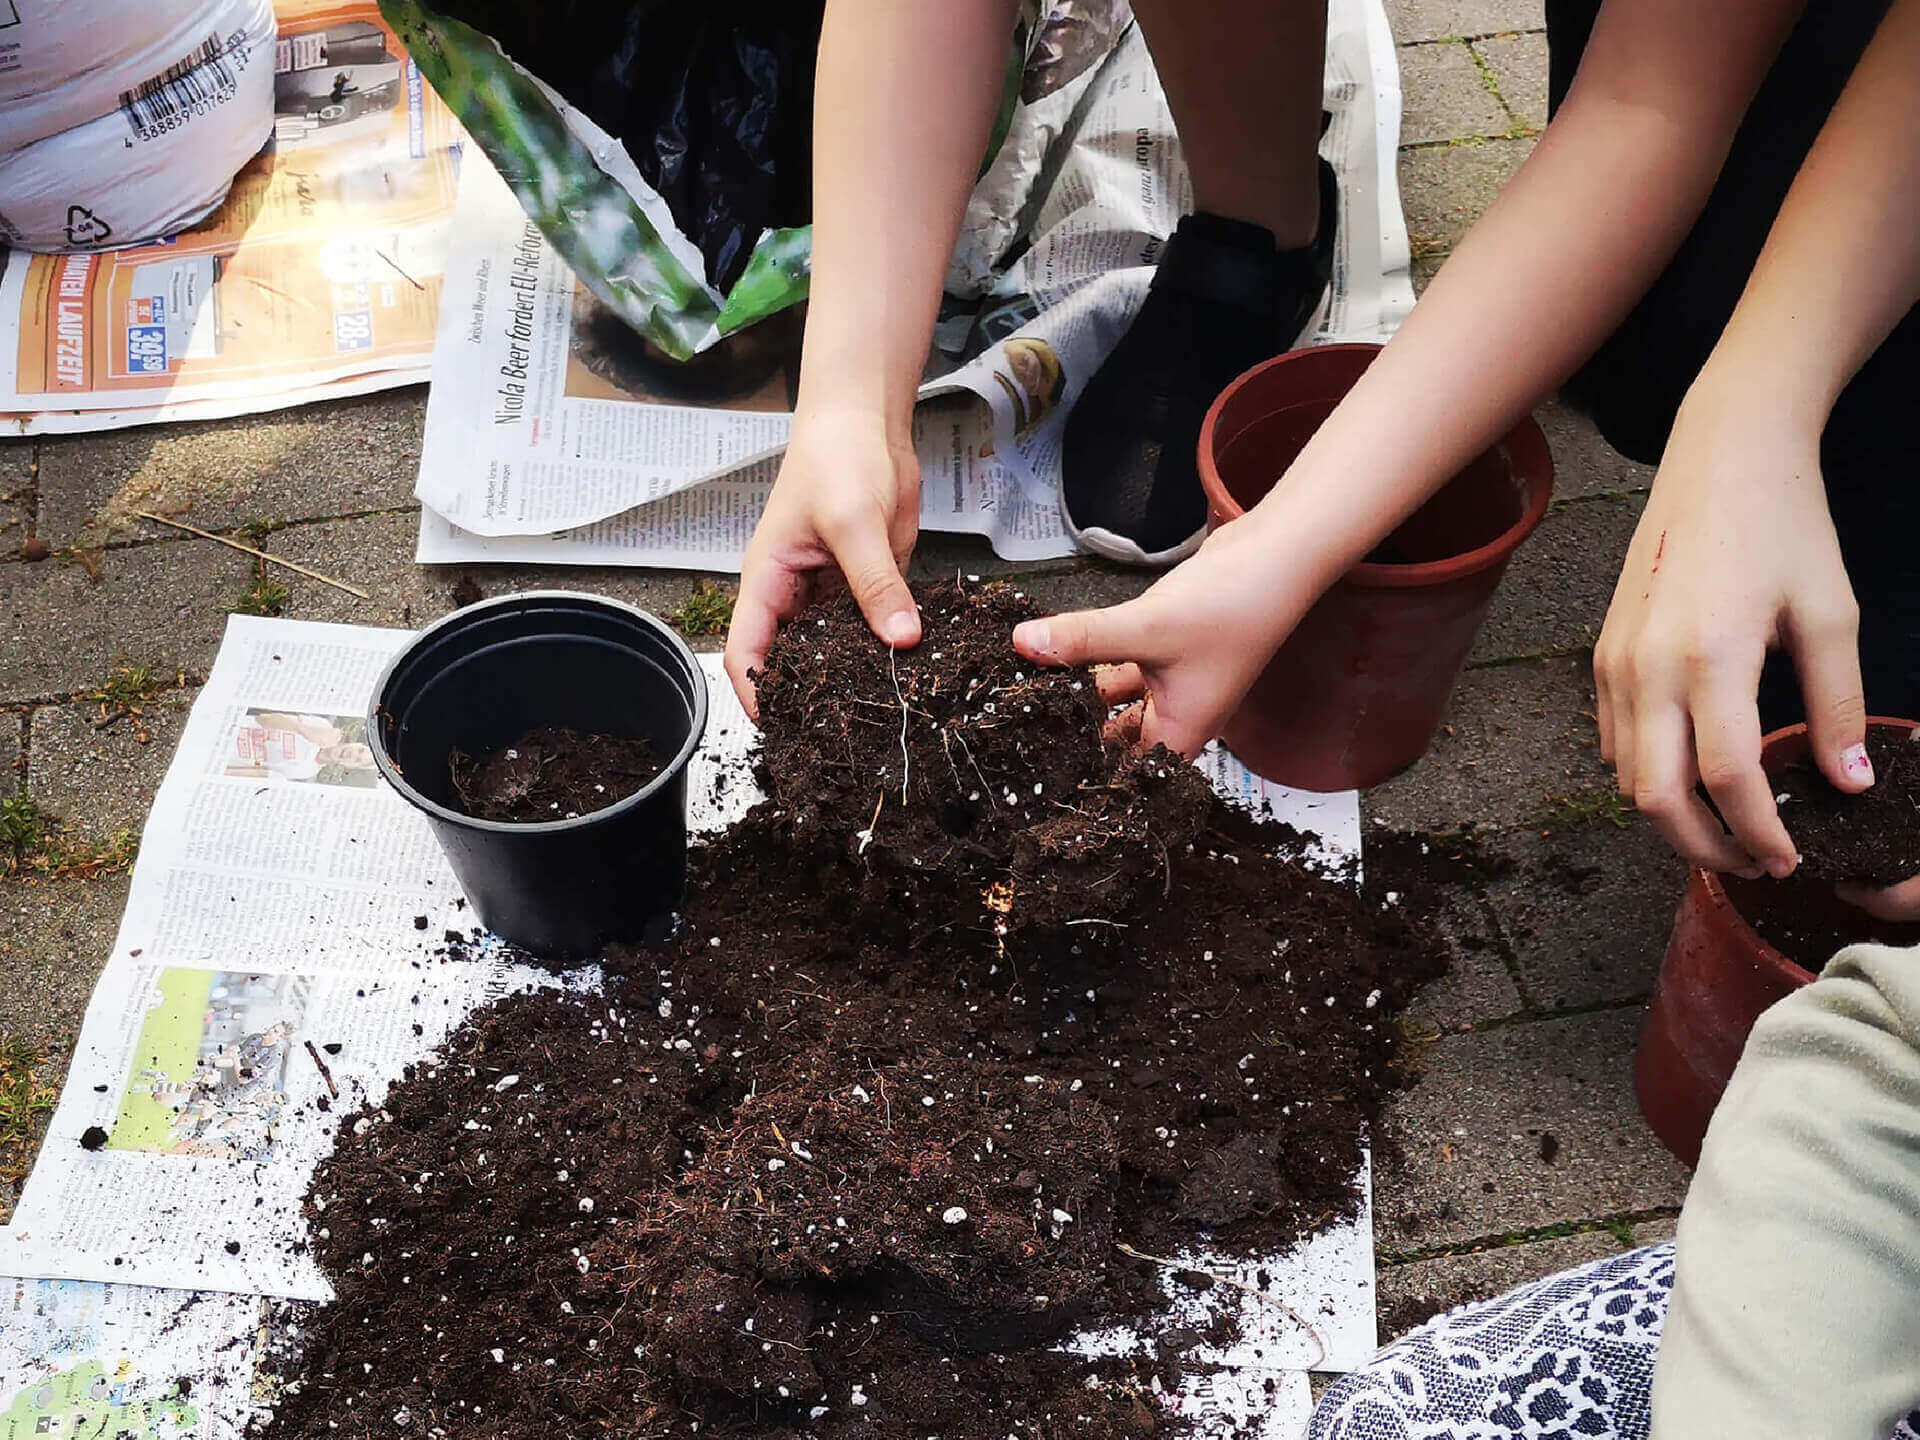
(1718, 977)
(1357, 690)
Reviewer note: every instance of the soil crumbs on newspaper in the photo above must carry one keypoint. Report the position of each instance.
(967, 1020)
(551, 773)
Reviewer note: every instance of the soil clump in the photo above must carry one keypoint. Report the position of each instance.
(969, 1014)
(551, 773)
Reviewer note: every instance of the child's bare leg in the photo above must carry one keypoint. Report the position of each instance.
(1240, 281)
(1244, 80)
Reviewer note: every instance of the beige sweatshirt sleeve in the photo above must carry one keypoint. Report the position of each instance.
(1796, 1303)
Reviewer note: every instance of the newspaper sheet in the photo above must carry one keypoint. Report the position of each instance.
(271, 958)
(84, 1359)
(323, 267)
(552, 437)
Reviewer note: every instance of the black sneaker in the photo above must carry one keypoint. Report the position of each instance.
(1223, 299)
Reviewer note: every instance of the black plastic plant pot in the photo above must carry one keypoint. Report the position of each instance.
(484, 676)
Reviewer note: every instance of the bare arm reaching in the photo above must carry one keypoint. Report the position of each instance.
(904, 100)
(1561, 256)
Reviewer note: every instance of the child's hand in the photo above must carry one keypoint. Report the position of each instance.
(1898, 904)
(847, 503)
(1736, 553)
(1188, 649)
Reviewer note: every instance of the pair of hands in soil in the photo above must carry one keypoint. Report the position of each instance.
(1180, 656)
(1735, 554)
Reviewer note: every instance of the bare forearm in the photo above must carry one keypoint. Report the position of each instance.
(1842, 263)
(905, 96)
(1557, 261)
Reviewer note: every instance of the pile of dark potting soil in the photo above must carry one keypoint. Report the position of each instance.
(551, 773)
(1872, 838)
(958, 1013)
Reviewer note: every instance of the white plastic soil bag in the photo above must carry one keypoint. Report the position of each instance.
(126, 120)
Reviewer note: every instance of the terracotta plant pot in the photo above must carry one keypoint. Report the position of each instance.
(1356, 692)
(1717, 979)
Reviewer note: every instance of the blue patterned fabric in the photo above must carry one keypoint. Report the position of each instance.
(1569, 1357)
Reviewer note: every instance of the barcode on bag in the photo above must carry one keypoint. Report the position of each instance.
(205, 79)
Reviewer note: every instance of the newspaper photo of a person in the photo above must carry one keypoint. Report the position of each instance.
(278, 747)
(1037, 383)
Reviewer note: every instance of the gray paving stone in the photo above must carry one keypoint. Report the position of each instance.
(1472, 1133)
(1583, 463)
(1425, 267)
(1555, 594)
(1586, 910)
(1438, 19)
(1655, 1232)
(13, 755)
(49, 1073)
(102, 781)
(54, 937)
(375, 552)
(1445, 97)
(159, 605)
(1513, 738)
(1413, 1293)
(16, 476)
(1443, 188)
(335, 458)
(1477, 985)
(1519, 65)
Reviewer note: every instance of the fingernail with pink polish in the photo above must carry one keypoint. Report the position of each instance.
(1855, 764)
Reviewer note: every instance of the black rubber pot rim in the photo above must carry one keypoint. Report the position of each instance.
(383, 762)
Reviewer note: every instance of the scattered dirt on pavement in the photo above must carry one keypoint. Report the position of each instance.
(551, 773)
(972, 1013)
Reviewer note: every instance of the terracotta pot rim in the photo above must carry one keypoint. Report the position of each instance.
(1527, 449)
(1791, 971)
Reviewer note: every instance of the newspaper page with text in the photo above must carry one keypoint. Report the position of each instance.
(322, 269)
(554, 436)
